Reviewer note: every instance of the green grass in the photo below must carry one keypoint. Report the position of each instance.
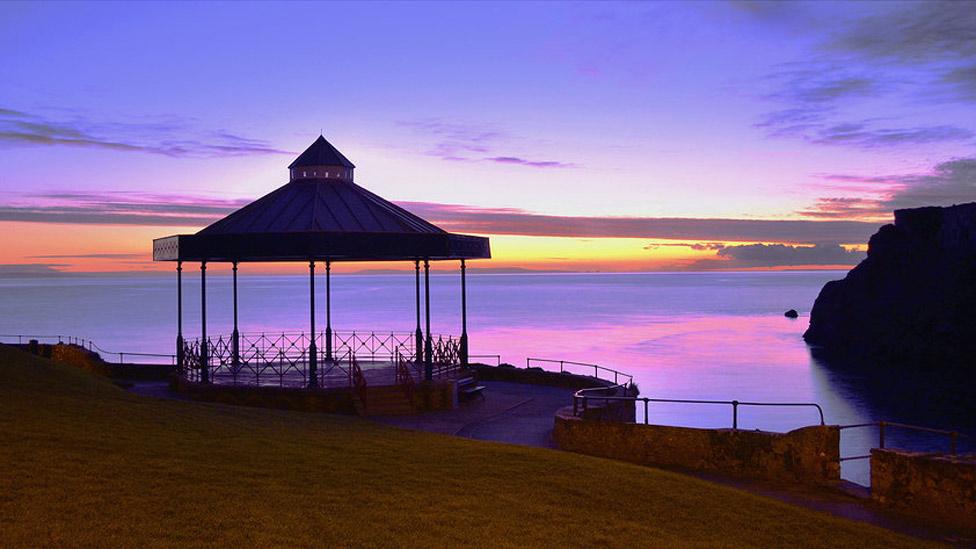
(85, 463)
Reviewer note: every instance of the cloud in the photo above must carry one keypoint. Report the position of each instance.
(472, 143)
(914, 33)
(515, 221)
(861, 135)
(779, 255)
(127, 208)
(30, 270)
(533, 163)
(177, 138)
(896, 55)
(950, 182)
(91, 256)
(119, 208)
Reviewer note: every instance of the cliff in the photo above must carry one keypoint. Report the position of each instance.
(912, 301)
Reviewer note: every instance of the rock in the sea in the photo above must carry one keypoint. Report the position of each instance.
(912, 299)
(791, 314)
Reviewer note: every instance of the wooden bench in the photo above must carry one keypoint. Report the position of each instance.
(468, 387)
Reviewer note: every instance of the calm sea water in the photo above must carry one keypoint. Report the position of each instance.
(682, 335)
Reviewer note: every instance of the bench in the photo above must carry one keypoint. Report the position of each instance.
(468, 388)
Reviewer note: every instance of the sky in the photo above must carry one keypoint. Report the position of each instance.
(577, 136)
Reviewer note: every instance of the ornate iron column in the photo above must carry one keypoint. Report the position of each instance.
(464, 317)
(204, 343)
(236, 335)
(179, 318)
(418, 350)
(428, 348)
(328, 311)
(313, 374)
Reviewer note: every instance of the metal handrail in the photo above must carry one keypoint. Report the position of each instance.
(596, 368)
(881, 425)
(579, 397)
(86, 344)
(498, 358)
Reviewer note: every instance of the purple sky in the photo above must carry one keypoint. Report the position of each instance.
(830, 112)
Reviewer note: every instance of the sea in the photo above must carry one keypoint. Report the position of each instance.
(706, 336)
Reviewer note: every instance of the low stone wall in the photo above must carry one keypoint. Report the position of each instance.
(809, 455)
(426, 397)
(537, 376)
(331, 401)
(939, 486)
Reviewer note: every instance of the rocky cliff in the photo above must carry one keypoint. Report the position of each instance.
(912, 301)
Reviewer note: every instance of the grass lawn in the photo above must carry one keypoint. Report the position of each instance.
(83, 462)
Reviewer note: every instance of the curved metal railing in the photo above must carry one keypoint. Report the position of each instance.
(618, 376)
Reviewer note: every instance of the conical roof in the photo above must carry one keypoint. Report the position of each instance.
(320, 205)
(321, 153)
(320, 218)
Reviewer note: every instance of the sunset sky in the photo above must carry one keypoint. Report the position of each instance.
(578, 136)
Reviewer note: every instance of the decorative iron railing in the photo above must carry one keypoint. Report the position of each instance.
(404, 377)
(283, 359)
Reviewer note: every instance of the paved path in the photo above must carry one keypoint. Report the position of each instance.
(516, 413)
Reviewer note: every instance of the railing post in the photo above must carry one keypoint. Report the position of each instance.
(313, 374)
(428, 348)
(645, 411)
(560, 366)
(236, 336)
(464, 317)
(881, 434)
(418, 351)
(328, 311)
(204, 343)
(735, 415)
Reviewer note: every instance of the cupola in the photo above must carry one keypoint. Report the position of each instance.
(321, 161)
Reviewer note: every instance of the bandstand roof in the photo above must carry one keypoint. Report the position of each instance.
(320, 215)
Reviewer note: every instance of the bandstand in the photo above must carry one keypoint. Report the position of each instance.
(320, 217)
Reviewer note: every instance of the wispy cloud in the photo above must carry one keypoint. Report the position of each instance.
(862, 135)
(457, 141)
(107, 255)
(118, 208)
(183, 210)
(169, 137)
(532, 163)
(520, 222)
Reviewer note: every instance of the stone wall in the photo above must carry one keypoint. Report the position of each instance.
(426, 397)
(332, 401)
(809, 455)
(939, 486)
